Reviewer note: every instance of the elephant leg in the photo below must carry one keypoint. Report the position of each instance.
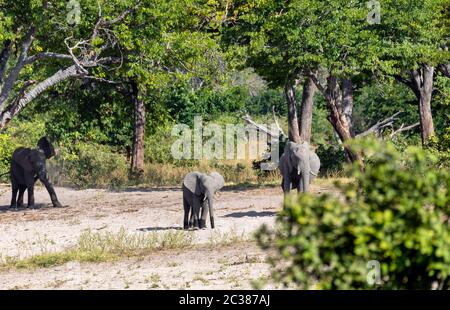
(22, 189)
(299, 185)
(43, 178)
(286, 184)
(15, 189)
(196, 210)
(205, 209)
(30, 188)
(191, 218)
(187, 208)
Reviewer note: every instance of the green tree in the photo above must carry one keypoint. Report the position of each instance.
(414, 36)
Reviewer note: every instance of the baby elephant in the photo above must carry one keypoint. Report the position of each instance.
(198, 193)
(27, 166)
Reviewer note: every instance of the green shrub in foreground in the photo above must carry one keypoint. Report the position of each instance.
(396, 212)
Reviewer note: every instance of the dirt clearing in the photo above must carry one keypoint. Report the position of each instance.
(139, 211)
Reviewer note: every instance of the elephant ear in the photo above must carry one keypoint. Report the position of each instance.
(45, 145)
(219, 181)
(191, 182)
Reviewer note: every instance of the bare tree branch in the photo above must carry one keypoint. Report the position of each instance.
(49, 55)
(276, 122)
(14, 74)
(262, 128)
(380, 125)
(61, 75)
(101, 80)
(402, 129)
(122, 15)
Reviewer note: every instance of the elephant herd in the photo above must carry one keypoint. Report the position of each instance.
(298, 165)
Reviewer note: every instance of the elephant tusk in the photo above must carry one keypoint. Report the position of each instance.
(314, 174)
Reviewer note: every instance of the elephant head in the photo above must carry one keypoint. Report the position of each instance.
(298, 165)
(45, 145)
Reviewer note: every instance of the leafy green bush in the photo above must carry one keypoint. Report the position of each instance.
(92, 165)
(332, 159)
(7, 147)
(440, 146)
(18, 134)
(395, 212)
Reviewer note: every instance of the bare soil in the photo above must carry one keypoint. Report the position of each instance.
(238, 211)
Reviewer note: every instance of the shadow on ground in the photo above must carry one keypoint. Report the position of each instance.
(251, 214)
(159, 228)
(39, 206)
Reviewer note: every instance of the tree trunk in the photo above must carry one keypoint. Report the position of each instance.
(137, 157)
(309, 89)
(293, 131)
(422, 81)
(14, 74)
(340, 105)
(4, 56)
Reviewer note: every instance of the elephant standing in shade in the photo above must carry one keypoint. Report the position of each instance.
(299, 165)
(27, 166)
(198, 193)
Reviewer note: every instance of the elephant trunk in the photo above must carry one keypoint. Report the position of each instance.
(304, 170)
(211, 209)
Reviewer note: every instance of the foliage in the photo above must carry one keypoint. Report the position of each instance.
(396, 212)
(91, 165)
(24, 134)
(332, 159)
(439, 145)
(7, 147)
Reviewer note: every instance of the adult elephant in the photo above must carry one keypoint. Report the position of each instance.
(198, 193)
(27, 166)
(299, 165)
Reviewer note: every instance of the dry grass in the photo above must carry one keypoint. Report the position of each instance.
(95, 247)
(101, 247)
(233, 171)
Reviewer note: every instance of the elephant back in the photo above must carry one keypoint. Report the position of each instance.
(21, 157)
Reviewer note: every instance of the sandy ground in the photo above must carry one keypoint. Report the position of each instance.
(27, 232)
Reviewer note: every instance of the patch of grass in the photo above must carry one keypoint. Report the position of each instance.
(173, 264)
(106, 246)
(126, 244)
(56, 284)
(201, 279)
(46, 260)
(226, 238)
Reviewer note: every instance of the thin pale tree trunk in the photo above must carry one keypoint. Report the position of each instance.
(137, 157)
(309, 89)
(14, 74)
(422, 81)
(340, 105)
(293, 130)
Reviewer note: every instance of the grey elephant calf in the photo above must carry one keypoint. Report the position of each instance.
(27, 166)
(198, 193)
(299, 165)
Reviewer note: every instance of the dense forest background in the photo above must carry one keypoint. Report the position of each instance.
(109, 87)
